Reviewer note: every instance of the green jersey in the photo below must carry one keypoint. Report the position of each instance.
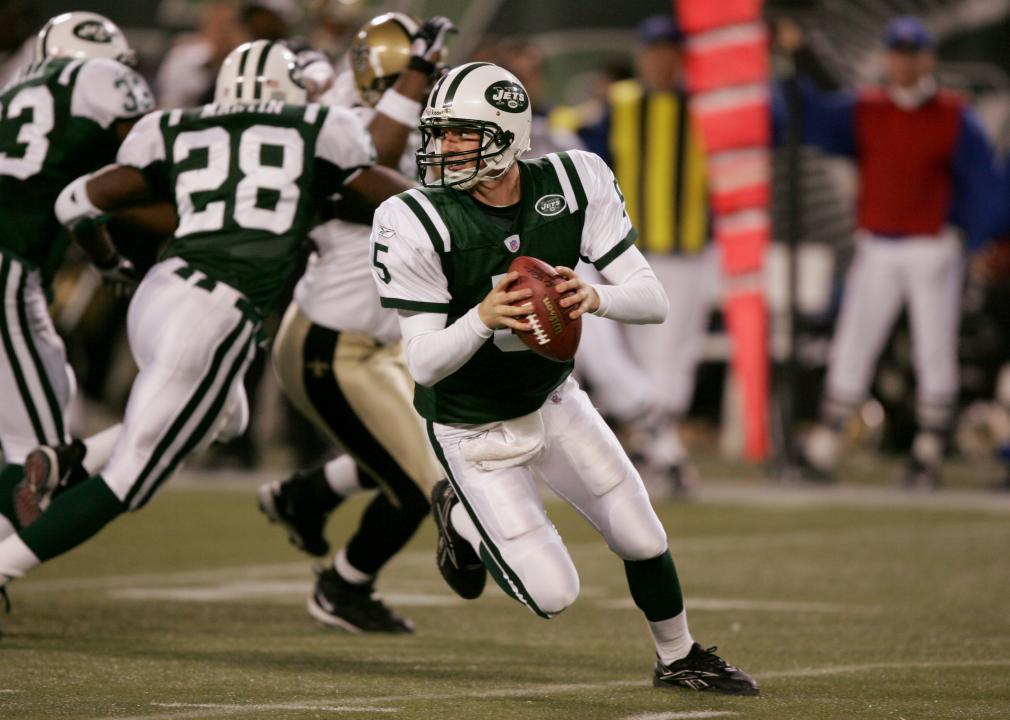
(57, 122)
(246, 181)
(436, 251)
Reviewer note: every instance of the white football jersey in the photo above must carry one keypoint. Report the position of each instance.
(337, 290)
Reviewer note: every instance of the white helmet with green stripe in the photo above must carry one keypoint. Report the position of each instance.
(258, 71)
(480, 98)
(82, 35)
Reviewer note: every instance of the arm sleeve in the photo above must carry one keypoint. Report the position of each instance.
(828, 118)
(607, 231)
(435, 351)
(635, 295)
(144, 149)
(407, 268)
(107, 91)
(344, 147)
(976, 202)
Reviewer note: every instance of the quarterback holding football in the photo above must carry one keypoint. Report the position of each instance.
(498, 414)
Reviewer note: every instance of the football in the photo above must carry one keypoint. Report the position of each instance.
(554, 334)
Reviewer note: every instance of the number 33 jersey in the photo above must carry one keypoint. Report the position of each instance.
(247, 181)
(57, 123)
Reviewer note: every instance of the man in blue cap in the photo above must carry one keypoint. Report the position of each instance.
(925, 167)
(648, 138)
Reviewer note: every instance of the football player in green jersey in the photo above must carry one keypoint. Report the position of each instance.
(246, 174)
(63, 115)
(498, 415)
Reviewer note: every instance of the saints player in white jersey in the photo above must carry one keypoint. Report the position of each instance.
(339, 358)
(498, 415)
(63, 115)
(245, 174)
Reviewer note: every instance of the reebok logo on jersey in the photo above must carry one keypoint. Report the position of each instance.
(550, 205)
(386, 232)
(93, 31)
(506, 95)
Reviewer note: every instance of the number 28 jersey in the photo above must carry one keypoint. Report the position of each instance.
(247, 181)
(57, 122)
(434, 250)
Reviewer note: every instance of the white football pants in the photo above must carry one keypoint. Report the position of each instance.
(193, 340)
(584, 464)
(36, 383)
(925, 272)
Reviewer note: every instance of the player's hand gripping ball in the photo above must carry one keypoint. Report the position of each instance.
(553, 333)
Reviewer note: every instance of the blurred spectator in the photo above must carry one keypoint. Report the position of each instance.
(524, 58)
(924, 165)
(647, 136)
(187, 74)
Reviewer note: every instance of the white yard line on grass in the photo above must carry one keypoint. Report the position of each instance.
(368, 703)
(688, 715)
(696, 603)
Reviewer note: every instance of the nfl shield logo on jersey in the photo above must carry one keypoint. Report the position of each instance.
(512, 243)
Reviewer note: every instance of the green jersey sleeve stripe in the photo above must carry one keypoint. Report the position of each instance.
(398, 304)
(573, 178)
(616, 251)
(439, 242)
(564, 181)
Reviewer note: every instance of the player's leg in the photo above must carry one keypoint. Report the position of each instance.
(935, 268)
(192, 347)
(873, 296)
(303, 502)
(586, 466)
(502, 517)
(35, 381)
(359, 393)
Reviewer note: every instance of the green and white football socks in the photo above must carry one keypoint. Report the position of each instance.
(656, 591)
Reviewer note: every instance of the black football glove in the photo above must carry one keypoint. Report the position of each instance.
(428, 44)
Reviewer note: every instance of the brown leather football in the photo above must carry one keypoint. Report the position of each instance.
(554, 335)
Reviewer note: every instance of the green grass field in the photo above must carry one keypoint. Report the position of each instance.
(842, 604)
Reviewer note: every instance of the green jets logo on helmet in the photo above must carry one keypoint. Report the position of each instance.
(93, 31)
(507, 96)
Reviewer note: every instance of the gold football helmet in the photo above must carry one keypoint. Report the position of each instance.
(380, 52)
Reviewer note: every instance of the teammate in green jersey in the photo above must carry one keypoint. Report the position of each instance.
(61, 116)
(246, 174)
(499, 416)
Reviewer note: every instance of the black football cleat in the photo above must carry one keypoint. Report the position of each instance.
(702, 669)
(355, 608)
(48, 471)
(459, 564)
(301, 505)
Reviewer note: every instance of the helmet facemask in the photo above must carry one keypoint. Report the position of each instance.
(463, 169)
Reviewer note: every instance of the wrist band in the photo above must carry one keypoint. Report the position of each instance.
(399, 107)
(73, 204)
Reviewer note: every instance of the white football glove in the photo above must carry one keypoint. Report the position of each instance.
(429, 43)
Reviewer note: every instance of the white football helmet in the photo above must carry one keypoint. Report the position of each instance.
(257, 71)
(477, 97)
(83, 35)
